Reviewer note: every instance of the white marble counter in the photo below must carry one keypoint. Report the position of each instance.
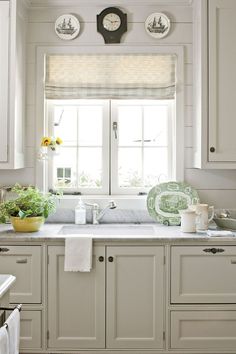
(112, 232)
(6, 281)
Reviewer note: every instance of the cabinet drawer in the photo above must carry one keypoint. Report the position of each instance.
(203, 274)
(203, 330)
(25, 263)
(30, 330)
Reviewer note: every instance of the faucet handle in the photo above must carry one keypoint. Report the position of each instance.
(94, 206)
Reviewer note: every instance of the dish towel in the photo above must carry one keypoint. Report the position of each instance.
(13, 329)
(4, 341)
(78, 253)
(216, 233)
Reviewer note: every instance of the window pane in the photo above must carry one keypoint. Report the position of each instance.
(65, 124)
(155, 125)
(130, 167)
(90, 167)
(130, 125)
(63, 163)
(155, 166)
(90, 125)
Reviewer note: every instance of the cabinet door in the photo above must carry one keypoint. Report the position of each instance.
(24, 262)
(222, 78)
(76, 303)
(4, 50)
(200, 276)
(203, 330)
(135, 297)
(30, 330)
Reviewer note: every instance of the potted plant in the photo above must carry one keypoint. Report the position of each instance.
(29, 210)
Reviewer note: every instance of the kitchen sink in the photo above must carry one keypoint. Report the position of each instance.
(108, 229)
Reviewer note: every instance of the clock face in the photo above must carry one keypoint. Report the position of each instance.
(111, 22)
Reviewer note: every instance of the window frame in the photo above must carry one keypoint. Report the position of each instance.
(115, 189)
(41, 168)
(104, 190)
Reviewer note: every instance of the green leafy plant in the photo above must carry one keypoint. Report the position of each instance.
(29, 203)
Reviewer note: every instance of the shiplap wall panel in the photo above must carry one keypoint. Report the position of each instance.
(215, 187)
(179, 34)
(178, 14)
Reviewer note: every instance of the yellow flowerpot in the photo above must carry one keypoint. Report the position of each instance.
(29, 224)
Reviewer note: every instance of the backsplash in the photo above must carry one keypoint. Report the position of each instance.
(111, 216)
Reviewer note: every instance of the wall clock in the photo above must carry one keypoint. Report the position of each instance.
(157, 25)
(67, 27)
(112, 24)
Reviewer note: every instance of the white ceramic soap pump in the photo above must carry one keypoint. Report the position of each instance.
(80, 213)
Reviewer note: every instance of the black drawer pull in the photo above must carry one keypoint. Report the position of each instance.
(110, 259)
(22, 261)
(4, 249)
(101, 259)
(213, 250)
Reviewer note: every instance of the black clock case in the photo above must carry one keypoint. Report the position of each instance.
(112, 36)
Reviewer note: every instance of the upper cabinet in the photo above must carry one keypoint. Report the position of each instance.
(13, 21)
(214, 84)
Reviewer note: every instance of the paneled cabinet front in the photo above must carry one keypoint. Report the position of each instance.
(203, 274)
(76, 303)
(119, 304)
(24, 262)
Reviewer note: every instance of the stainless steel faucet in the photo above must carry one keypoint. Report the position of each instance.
(3, 192)
(97, 214)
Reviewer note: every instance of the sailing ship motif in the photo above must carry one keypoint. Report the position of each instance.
(157, 26)
(66, 27)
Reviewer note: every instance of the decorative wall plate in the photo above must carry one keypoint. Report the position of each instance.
(67, 27)
(166, 199)
(157, 25)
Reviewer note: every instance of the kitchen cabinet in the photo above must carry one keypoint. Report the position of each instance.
(13, 21)
(119, 304)
(135, 297)
(214, 84)
(24, 262)
(203, 274)
(76, 302)
(202, 282)
(30, 333)
(203, 330)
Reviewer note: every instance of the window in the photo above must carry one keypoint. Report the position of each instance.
(111, 146)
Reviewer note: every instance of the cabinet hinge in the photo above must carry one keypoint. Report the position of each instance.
(48, 258)
(164, 260)
(164, 336)
(47, 334)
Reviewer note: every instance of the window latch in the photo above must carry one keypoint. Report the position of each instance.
(114, 127)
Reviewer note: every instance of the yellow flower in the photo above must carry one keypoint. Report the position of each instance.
(58, 141)
(46, 141)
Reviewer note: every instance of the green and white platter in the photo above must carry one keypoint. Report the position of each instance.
(166, 199)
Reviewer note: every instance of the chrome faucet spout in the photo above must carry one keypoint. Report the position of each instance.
(97, 214)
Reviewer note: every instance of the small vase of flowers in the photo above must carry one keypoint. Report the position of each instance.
(50, 146)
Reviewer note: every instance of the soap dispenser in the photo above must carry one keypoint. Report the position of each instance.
(80, 213)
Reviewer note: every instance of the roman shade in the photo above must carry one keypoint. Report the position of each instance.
(143, 76)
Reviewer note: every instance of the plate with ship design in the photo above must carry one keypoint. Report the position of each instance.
(157, 25)
(67, 27)
(166, 199)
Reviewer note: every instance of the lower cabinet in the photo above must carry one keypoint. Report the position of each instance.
(119, 304)
(30, 330)
(203, 330)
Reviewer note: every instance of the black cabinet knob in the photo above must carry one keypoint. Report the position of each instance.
(212, 149)
(110, 259)
(4, 249)
(213, 250)
(101, 259)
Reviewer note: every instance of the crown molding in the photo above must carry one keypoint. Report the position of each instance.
(68, 3)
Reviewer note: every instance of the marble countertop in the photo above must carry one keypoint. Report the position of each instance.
(6, 281)
(110, 232)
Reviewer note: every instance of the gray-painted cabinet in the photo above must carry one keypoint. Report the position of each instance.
(119, 304)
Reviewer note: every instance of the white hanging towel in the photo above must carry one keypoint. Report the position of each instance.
(4, 341)
(13, 329)
(78, 253)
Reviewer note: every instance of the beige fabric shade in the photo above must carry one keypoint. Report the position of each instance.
(110, 76)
